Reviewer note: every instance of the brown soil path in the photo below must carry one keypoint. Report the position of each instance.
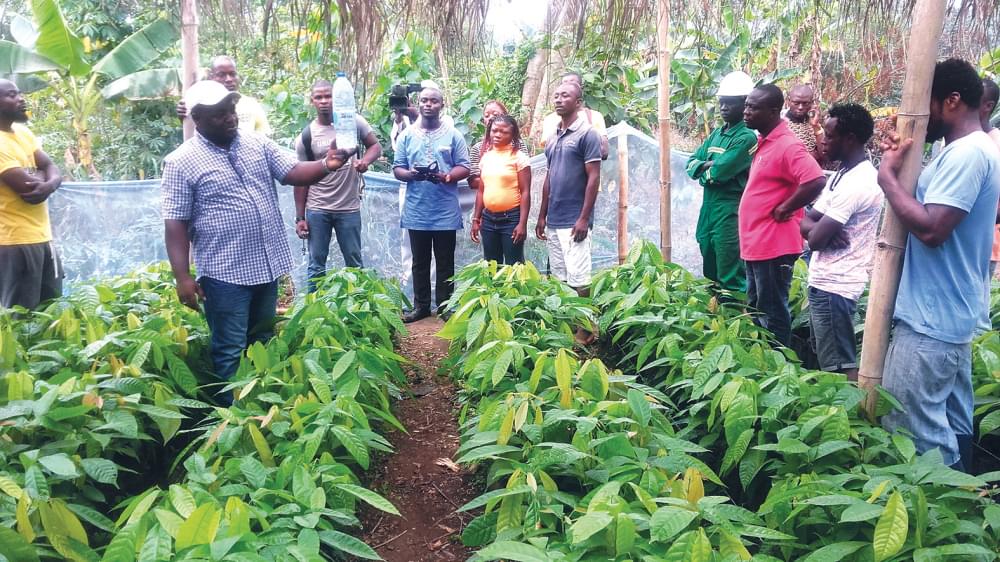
(417, 478)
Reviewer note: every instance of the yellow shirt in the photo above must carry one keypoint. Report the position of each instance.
(20, 222)
(498, 170)
(551, 124)
(252, 117)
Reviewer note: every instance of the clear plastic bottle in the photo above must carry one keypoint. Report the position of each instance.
(343, 114)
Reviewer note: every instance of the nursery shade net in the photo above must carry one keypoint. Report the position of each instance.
(109, 228)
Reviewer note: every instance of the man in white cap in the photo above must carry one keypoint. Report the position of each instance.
(722, 164)
(219, 198)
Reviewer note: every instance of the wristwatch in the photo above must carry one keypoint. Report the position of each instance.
(299, 219)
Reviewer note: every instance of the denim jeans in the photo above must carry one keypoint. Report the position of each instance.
(495, 231)
(237, 316)
(768, 282)
(422, 244)
(322, 225)
(831, 321)
(932, 379)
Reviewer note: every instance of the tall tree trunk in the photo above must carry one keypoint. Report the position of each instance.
(663, 120)
(534, 75)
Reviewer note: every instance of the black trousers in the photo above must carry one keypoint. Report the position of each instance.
(442, 244)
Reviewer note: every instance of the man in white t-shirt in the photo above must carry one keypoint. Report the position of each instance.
(841, 229)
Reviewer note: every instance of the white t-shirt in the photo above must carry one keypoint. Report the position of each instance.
(854, 199)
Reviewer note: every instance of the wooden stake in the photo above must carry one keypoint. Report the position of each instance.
(189, 52)
(622, 198)
(663, 110)
(925, 33)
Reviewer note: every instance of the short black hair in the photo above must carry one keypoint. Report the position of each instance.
(957, 75)
(991, 92)
(772, 96)
(321, 83)
(854, 119)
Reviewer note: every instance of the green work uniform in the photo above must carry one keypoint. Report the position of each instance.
(731, 151)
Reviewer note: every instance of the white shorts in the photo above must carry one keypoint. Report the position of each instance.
(569, 260)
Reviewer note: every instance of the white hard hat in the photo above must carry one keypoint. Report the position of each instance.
(736, 84)
(206, 92)
(429, 84)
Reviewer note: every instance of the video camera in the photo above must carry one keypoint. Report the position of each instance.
(399, 94)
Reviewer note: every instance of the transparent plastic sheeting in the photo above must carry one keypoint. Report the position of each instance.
(110, 228)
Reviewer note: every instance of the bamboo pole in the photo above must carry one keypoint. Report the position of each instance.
(663, 110)
(925, 33)
(189, 52)
(622, 197)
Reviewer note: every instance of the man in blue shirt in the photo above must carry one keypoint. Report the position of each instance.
(942, 293)
(219, 198)
(431, 158)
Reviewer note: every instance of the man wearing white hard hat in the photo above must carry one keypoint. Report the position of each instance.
(219, 198)
(721, 164)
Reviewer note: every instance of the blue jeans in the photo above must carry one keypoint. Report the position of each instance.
(237, 316)
(495, 231)
(831, 321)
(768, 282)
(322, 225)
(933, 381)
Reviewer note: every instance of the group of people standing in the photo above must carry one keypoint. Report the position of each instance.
(766, 193)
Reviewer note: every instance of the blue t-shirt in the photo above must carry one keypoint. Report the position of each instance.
(430, 206)
(942, 293)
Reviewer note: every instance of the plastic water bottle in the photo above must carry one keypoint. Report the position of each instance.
(343, 114)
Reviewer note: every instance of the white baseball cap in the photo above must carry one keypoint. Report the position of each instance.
(736, 84)
(208, 93)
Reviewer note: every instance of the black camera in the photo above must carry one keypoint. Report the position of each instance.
(399, 93)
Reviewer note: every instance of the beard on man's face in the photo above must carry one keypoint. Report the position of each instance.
(17, 116)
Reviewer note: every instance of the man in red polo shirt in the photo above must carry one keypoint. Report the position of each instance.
(784, 178)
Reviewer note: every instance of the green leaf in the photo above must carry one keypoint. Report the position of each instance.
(488, 451)
(59, 464)
(480, 531)
(101, 470)
(55, 40)
(495, 494)
(369, 497)
(254, 471)
(342, 364)
(15, 548)
(640, 406)
(667, 521)
(835, 552)
(501, 366)
(182, 500)
(355, 446)
(861, 511)
(123, 546)
(891, 529)
(692, 546)
(92, 516)
(515, 551)
(138, 49)
(348, 544)
(16, 59)
(200, 528)
(589, 524)
(157, 546)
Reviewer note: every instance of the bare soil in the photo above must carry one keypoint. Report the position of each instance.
(419, 478)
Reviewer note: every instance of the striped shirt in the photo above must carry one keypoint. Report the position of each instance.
(230, 201)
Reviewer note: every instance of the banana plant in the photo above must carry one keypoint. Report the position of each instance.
(51, 49)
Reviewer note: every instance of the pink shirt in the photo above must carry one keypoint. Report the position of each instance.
(779, 166)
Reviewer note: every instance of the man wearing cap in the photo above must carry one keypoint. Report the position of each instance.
(29, 266)
(219, 198)
(721, 164)
(251, 114)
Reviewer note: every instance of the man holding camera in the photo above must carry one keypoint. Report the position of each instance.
(333, 204)
(431, 158)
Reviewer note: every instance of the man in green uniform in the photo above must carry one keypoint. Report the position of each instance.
(721, 164)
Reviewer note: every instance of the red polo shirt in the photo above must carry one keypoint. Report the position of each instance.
(779, 166)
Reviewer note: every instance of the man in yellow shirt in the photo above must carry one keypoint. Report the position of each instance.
(248, 110)
(594, 118)
(29, 268)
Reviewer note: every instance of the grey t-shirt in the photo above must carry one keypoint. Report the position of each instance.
(567, 152)
(340, 190)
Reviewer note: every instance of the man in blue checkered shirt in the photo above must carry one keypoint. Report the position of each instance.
(219, 198)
